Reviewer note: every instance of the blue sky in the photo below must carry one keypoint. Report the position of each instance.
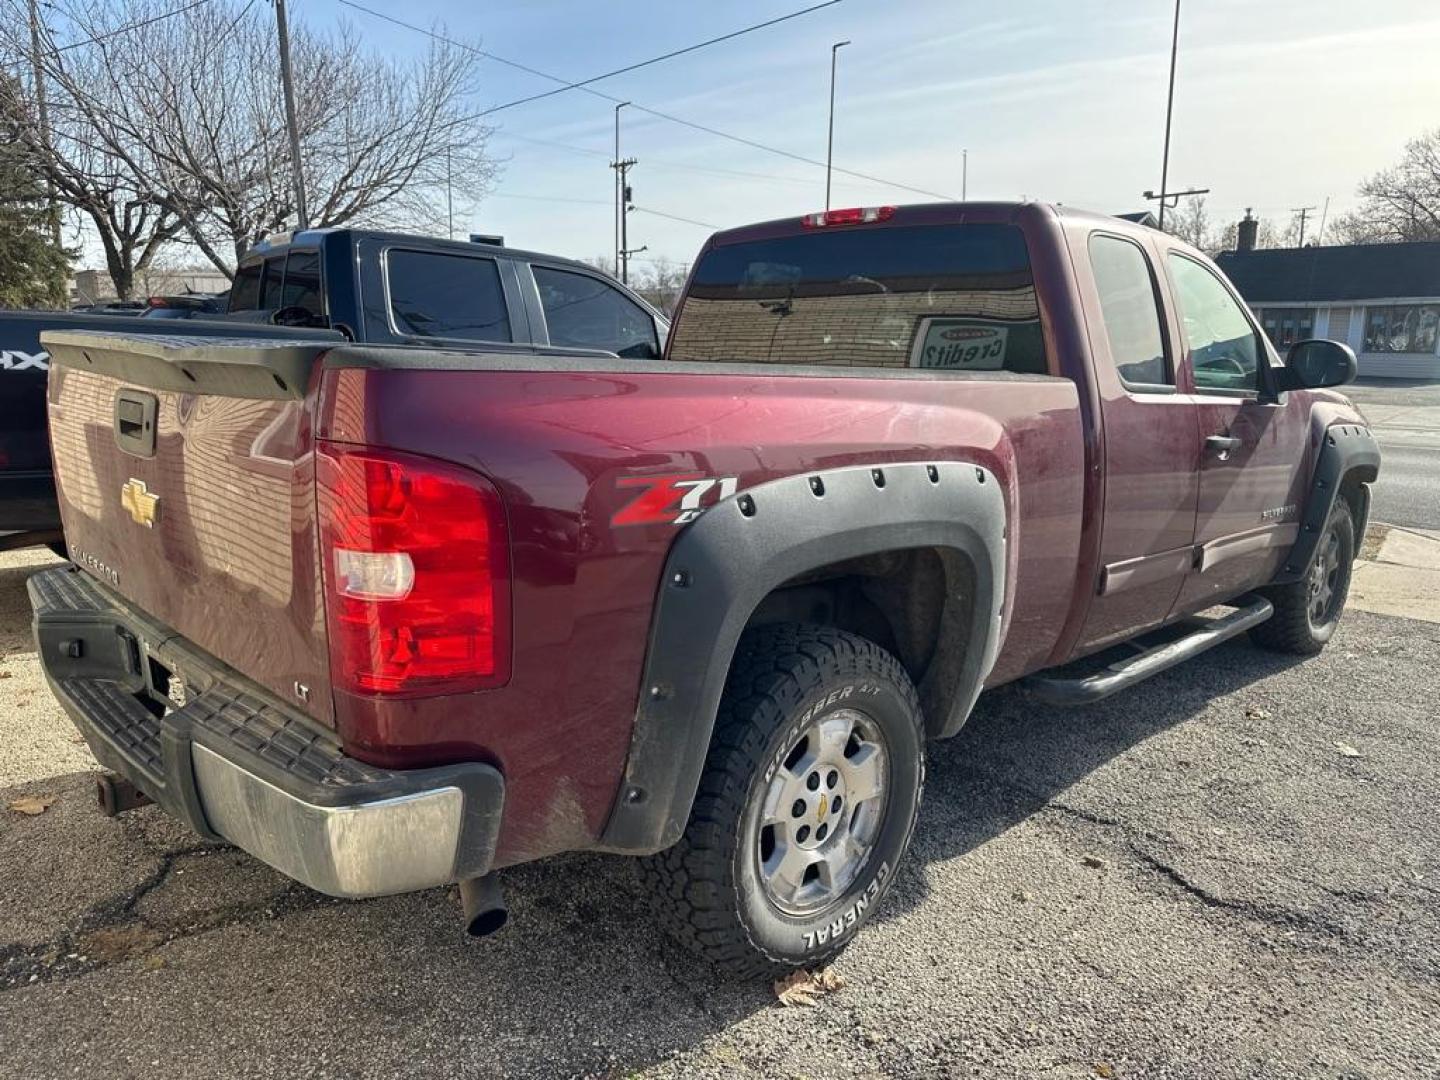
(1279, 104)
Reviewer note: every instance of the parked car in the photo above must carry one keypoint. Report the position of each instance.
(389, 618)
(440, 292)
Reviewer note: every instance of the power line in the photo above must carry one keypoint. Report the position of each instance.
(662, 163)
(141, 24)
(567, 84)
(675, 217)
(602, 202)
(654, 59)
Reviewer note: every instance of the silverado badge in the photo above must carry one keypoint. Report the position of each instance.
(142, 506)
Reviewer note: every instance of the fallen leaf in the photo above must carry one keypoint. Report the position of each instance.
(1344, 749)
(1254, 712)
(1094, 862)
(1023, 895)
(30, 805)
(1103, 1070)
(807, 987)
(7, 674)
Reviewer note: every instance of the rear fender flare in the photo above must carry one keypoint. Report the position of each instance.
(1346, 450)
(722, 566)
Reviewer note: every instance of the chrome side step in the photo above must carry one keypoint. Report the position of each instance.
(1060, 690)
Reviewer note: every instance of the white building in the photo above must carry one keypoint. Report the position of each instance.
(1383, 300)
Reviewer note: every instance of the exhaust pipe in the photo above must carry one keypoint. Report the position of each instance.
(483, 905)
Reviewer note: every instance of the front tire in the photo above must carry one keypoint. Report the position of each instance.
(1308, 611)
(806, 805)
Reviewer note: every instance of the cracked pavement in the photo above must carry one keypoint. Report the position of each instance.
(1193, 879)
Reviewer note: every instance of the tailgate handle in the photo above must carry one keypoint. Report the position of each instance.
(135, 414)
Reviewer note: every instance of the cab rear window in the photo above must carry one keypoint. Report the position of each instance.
(941, 297)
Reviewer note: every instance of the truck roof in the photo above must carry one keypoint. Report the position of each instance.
(940, 213)
(279, 242)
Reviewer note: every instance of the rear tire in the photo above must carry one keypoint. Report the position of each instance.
(1308, 611)
(805, 807)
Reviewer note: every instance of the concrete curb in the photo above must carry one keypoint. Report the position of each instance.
(1398, 573)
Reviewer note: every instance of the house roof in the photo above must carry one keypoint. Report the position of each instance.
(1342, 272)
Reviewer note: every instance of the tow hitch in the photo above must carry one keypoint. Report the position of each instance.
(116, 794)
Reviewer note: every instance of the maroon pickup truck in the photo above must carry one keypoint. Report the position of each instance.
(391, 617)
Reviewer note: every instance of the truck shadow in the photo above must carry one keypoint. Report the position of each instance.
(583, 981)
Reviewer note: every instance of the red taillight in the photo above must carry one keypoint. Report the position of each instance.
(416, 565)
(853, 215)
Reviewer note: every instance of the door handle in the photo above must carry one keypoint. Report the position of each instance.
(1221, 445)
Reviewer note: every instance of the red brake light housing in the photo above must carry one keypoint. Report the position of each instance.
(853, 215)
(415, 559)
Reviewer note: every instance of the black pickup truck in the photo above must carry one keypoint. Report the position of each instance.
(361, 285)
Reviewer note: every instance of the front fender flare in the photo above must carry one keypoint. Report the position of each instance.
(722, 566)
(1344, 449)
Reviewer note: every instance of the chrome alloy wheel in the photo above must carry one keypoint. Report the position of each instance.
(822, 811)
(1323, 577)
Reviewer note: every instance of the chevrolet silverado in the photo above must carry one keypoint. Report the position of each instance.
(390, 617)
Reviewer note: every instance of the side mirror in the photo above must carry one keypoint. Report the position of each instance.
(1315, 363)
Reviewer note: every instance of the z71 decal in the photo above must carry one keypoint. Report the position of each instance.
(671, 500)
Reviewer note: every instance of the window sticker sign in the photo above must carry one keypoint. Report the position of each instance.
(954, 343)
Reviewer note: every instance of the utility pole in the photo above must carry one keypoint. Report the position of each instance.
(1169, 109)
(964, 175)
(42, 108)
(1320, 232)
(1304, 212)
(449, 198)
(622, 170)
(830, 141)
(287, 81)
(619, 185)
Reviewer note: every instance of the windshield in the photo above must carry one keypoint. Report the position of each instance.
(944, 297)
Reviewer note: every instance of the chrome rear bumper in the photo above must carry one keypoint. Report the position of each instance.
(235, 764)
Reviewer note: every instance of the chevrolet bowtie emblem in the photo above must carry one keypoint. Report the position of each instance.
(141, 505)
(824, 807)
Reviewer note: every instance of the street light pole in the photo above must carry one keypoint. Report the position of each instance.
(287, 80)
(1169, 108)
(619, 185)
(830, 142)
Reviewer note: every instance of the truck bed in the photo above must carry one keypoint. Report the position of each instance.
(598, 461)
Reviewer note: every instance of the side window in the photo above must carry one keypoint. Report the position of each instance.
(1224, 351)
(446, 296)
(584, 312)
(302, 282)
(271, 282)
(1127, 303)
(245, 293)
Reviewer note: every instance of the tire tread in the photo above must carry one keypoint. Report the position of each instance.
(693, 882)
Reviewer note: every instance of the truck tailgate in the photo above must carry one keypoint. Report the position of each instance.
(185, 477)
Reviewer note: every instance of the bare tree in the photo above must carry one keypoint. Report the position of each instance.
(1190, 221)
(605, 264)
(1401, 202)
(191, 107)
(661, 282)
(96, 179)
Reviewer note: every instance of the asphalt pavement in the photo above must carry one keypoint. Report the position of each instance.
(1406, 421)
(1229, 871)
